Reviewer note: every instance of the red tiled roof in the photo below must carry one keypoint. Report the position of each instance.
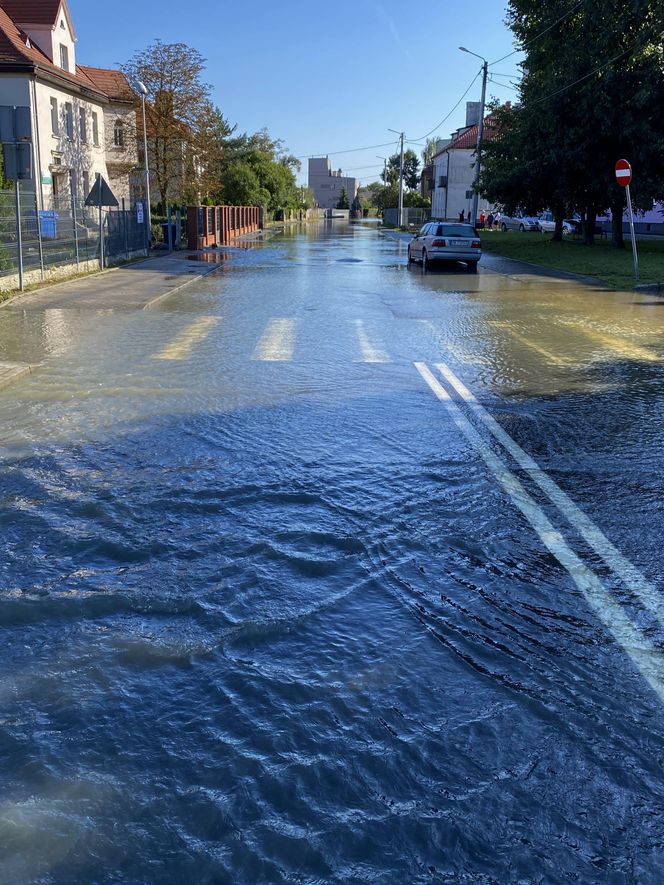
(17, 49)
(111, 83)
(32, 12)
(467, 140)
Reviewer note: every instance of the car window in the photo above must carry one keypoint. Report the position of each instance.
(456, 230)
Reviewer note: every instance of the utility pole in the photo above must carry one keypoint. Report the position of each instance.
(480, 130)
(401, 185)
(401, 136)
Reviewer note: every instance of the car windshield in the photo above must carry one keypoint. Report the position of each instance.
(456, 230)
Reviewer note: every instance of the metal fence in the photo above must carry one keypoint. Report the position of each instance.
(34, 242)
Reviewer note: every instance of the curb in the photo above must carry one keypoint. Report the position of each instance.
(187, 282)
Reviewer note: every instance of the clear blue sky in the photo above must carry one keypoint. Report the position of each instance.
(324, 77)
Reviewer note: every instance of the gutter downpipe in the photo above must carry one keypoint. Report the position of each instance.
(36, 142)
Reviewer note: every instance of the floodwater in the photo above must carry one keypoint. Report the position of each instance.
(325, 570)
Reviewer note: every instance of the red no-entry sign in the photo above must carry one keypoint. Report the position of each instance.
(623, 173)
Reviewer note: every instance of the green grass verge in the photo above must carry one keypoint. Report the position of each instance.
(613, 267)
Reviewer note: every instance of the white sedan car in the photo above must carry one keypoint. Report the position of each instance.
(446, 241)
(547, 224)
(520, 221)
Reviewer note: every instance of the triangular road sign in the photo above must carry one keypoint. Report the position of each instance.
(101, 194)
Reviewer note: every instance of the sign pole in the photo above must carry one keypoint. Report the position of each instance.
(19, 235)
(624, 178)
(631, 227)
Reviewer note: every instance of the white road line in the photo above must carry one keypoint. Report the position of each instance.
(551, 357)
(182, 345)
(643, 653)
(592, 535)
(277, 343)
(370, 353)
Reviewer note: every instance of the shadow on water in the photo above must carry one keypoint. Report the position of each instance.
(229, 659)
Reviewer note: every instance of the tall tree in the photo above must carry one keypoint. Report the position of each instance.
(177, 102)
(411, 169)
(592, 73)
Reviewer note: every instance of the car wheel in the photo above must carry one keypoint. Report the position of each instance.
(522, 228)
(410, 257)
(503, 227)
(472, 266)
(425, 262)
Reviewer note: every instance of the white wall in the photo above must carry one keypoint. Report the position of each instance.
(459, 166)
(76, 156)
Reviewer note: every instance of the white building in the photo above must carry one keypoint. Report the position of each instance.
(454, 170)
(328, 184)
(83, 119)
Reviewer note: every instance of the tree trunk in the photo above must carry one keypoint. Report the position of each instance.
(559, 215)
(589, 226)
(617, 239)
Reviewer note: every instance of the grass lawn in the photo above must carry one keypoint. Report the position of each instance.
(613, 266)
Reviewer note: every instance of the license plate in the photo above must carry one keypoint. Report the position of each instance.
(458, 242)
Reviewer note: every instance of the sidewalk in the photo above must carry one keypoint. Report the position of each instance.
(133, 287)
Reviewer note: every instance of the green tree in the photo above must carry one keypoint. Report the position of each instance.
(342, 203)
(430, 147)
(411, 169)
(586, 100)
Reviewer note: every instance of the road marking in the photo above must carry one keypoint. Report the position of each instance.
(552, 357)
(591, 534)
(643, 653)
(623, 346)
(277, 343)
(182, 345)
(469, 357)
(370, 354)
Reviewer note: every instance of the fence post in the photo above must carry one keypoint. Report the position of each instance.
(124, 225)
(39, 238)
(75, 223)
(170, 238)
(19, 235)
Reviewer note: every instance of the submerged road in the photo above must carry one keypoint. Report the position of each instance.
(325, 570)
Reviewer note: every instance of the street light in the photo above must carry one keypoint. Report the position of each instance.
(400, 134)
(480, 128)
(384, 159)
(143, 90)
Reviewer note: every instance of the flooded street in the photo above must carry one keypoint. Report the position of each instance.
(325, 570)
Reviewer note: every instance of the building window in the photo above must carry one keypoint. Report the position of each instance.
(95, 129)
(55, 121)
(64, 57)
(82, 125)
(69, 119)
(118, 134)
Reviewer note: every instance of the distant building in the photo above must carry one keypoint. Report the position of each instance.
(327, 184)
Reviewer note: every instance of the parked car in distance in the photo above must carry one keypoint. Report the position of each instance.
(547, 223)
(446, 241)
(519, 221)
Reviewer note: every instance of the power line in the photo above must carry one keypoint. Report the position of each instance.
(585, 76)
(541, 34)
(347, 151)
(447, 116)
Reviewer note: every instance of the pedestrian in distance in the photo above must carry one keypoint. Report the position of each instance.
(489, 221)
(462, 216)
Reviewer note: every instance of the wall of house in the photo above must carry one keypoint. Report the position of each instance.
(121, 160)
(459, 167)
(76, 156)
(50, 39)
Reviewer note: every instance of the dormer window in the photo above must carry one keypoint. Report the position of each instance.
(64, 57)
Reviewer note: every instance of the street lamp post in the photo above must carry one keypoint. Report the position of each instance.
(384, 159)
(143, 90)
(480, 130)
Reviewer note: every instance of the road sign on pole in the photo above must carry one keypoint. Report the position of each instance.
(624, 177)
